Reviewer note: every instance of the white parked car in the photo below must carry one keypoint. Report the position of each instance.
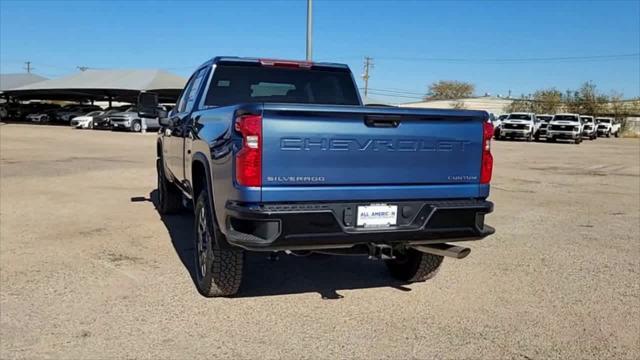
(588, 127)
(607, 127)
(565, 126)
(519, 125)
(85, 121)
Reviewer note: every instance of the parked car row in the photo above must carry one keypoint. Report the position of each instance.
(566, 126)
(84, 116)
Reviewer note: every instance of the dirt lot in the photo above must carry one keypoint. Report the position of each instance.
(90, 270)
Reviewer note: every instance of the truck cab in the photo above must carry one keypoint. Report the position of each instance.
(607, 126)
(565, 127)
(543, 120)
(519, 125)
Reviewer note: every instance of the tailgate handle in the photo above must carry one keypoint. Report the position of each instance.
(381, 121)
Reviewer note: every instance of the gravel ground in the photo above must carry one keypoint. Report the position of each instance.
(88, 269)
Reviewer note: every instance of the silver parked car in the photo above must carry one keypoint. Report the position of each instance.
(129, 120)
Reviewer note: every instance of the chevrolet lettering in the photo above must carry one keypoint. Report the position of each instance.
(408, 145)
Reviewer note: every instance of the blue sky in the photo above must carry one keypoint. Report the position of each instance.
(413, 43)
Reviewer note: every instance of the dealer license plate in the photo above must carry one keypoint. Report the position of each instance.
(377, 215)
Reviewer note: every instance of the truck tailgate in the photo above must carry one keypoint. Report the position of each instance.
(346, 147)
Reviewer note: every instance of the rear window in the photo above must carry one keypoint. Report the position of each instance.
(235, 84)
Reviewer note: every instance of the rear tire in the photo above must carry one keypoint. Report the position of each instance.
(218, 265)
(414, 266)
(578, 139)
(169, 197)
(617, 134)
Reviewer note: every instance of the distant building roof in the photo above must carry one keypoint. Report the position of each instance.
(12, 81)
(100, 84)
(367, 100)
(492, 104)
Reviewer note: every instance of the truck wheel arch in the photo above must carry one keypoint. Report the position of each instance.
(201, 179)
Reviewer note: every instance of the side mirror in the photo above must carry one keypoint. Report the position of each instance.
(148, 105)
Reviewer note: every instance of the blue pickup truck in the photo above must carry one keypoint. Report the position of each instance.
(282, 155)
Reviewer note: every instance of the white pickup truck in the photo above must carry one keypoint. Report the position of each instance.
(607, 127)
(519, 125)
(565, 126)
(497, 124)
(588, 127)
(543, 120)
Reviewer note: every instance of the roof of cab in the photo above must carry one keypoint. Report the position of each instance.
(236, 59)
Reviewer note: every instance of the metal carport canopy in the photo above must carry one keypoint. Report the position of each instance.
(116, 85)
(11, 81)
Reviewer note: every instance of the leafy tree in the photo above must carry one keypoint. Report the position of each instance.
(450, 89)
(548, 101)
(520, 105)
(586, 100)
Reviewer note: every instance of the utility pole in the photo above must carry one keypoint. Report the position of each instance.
(368, 65)
(309, 29)
(27, 66)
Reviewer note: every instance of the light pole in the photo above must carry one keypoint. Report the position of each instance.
(309, 28)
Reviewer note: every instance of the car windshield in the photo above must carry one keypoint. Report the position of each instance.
(544, 118)
(565, 117)
(94, 113)
(587, 119)
(502, 117)
(520, 117)
(607, 121)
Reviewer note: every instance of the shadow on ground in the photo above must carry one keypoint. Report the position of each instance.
(323, 274)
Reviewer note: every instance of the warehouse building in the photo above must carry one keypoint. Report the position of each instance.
(492, 104)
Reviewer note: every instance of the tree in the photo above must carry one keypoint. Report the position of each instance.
(586, 100)
(547, 101)
(449, 89)
(519, 105)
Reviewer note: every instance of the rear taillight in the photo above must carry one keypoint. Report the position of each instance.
(487, 159)
(249, 158)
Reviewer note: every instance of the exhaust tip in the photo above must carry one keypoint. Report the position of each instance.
(452, 251)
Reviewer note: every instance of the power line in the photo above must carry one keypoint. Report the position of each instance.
(398, 91)
(520, 60)
(504, 60)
